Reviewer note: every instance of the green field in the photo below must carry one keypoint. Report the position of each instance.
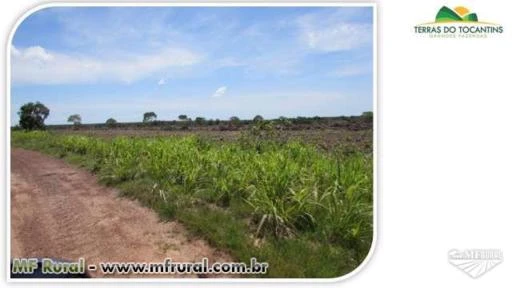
(306, 211)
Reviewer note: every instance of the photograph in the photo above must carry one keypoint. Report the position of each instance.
(232, 141)
(256, 144)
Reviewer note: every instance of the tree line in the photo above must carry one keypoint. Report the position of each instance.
(32, 117)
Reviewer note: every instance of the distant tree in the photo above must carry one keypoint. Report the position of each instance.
(284, 121)
(149, 117)
(217, 121)
(234, 120)
(183, 117)
(76, 119)
(111, 122)
(367, 114)
(302, 120)
(32, 116)
(200, 120)
(257, 118)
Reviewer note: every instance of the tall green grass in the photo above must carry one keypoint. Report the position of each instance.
(287, 203)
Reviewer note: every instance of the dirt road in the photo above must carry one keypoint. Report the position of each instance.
(59, 211)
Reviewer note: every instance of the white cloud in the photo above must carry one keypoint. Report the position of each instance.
(162, 82)
(329, 33)
(36, 53)
(36, 65)
(14, 51)
(220, 92)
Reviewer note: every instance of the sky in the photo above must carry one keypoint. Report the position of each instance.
(212, 62)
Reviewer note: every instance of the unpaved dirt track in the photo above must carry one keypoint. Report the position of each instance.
(59, 211)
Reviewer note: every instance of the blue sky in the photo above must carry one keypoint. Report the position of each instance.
(120, 62)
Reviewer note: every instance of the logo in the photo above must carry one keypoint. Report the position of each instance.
(460, 13)
(475, 262)
(458, 22)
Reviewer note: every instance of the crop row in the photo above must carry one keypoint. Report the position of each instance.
(284, 189)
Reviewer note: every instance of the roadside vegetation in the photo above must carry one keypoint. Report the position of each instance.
(303, 207)
(306, 212)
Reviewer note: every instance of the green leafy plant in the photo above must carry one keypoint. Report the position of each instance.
(276, 191)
